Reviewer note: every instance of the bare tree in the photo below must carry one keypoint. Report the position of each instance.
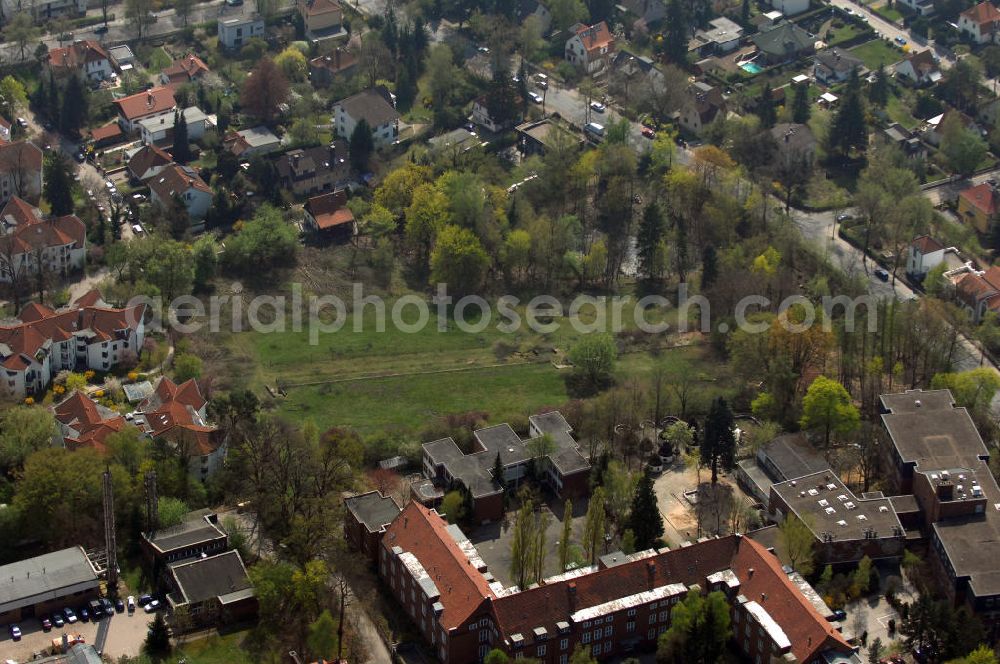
(375, 57)
(139, 15)
(14, 270)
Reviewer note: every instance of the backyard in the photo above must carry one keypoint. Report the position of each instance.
(877, 53)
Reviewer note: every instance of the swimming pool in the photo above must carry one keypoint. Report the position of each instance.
(751, 67)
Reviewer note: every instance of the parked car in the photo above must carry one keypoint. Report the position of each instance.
(648, 132)
(152, 607)
(137, 229)
(900, 41)
(84, 614)
(881, 274)
(80, 157)
(46, 624)
(145, 599)
(840, 614)
(15, 632)
(119, 606)
(130, 603)
(70, 616)
(597, 106)
(57, 619)
(535, 97)
(22, 123)
(234, 3)
(844, 217)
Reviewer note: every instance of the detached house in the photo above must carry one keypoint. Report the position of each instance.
(323, 19)
(146, 162)
(185, 70)
(376, 107)
(326, 69)
(526, 8)
(246, 143)
(834, 65)
(87, 58)
(980, 23)
(86, 335)
(152, 103)
(926, 253)
(184, 183)
(329, 215)
(160, 129)
(978, 206)
(703, 104)
(234, 33)
(30, 244)
(920, 68)
(785, 42)
(310, 171)
(20, 171)
(591, 47)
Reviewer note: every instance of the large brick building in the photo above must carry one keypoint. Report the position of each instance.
(617, 607)
(563, 466)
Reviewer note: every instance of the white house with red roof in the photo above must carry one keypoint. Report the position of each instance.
(30, 243)
(980, 23)
(178, 413)
(87, 57)
(86, 335)
(144, 105)
(926, 253)
(184, 70)
(591, 46)
(182, 182)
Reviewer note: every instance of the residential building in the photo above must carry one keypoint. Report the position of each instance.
(86, 423)
(323, 19)
(366, 519)
(980, 23)
(178, 414)
(20, 171)
(455, 142)
(977, 291)
(702, 105)
(920, 68)
(790, 7)
(213, 591)
(234, 33)
(122, 57)
(908, 142)
(87, 58)
(834, 65)
(933, 129)
(564, 468)
(722, 36)
(648, 11)
(147, 162)
(920, 7)
(246, 143)
(376, 107)
(527, 8)
(160, 130)
(45, 10)
(796, 143)
(784, 42)
(341, 64)
(151, 103)
(86, 335)
(610, 610)
(51, 581)
(310, 171)
(198, 535)
(183, 182)
(54, 246)
(109, 134)
(978, 205)
(5, 128)
(534, 138)
(184, 70)
(482, 117)
(591, 47)
(926, 253)
(329, 216)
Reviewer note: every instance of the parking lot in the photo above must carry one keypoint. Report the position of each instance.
(115, 636)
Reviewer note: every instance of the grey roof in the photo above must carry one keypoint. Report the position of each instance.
(793, 138)
(790, 456)
(839, 60)
(206, 578)
(258, 136)
(371, 105)
(137, 392)
(45, 577)
(567, 456)
(81, 653)
(195, 529)
(904, 504)
(722, 30)
(927, 430)
(373, 509)
(192, 115)
(783, 39)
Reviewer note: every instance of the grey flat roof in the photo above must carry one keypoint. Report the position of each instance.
(215, 576)
(195, 529)
(927, 429)
(373, 509)
(792, 456)
(137, 392)
(44, 577)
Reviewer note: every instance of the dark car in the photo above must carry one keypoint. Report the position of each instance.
(15, 632)
(840, 614)
(57, 619)
(119, 606)
(101, 29)
(84, 614)
(80, 157)
(46, 624)
(881, 274)
(145, 599)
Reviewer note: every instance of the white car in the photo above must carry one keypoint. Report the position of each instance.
(597, 106)
(535, 97)
(130, 604)
(152, 606)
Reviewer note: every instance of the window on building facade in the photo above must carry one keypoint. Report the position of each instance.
(630, 626)
(607, 631)
(541, 651)
(563, 644)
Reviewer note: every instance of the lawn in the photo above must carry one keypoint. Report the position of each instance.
(225, 649)
(899, 111)
(876, 53)
(890, 14)
(844, 33)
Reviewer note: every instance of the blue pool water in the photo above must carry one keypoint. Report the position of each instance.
(752, 67)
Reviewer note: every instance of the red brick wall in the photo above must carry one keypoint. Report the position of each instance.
(489, 508)
(576, 485)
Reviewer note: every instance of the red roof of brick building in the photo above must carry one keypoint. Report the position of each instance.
(595, 37)
(172, 410)
(77, 54)
(925, 244)
(330, 210)
(32, 233)
(107, 132)
(185, 69)
(982, 197)
(985, 15)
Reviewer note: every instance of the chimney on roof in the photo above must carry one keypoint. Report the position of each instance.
(150, 98)
(571, 590)
(651, 574)
(336, 59)
(945, 490)
(750, 573)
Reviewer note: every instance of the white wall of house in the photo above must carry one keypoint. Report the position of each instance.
(57, 260)
(31, 185)
(921, 263)
(382, 135)
(238, 33)
(790, 7)
(971, 28)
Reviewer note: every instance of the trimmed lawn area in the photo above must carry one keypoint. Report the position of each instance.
(890, 14)
(225, 649)
(899, 112)
(844, 33)
(876, 53)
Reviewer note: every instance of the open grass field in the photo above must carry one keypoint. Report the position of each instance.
(226, 649)
(877, 53)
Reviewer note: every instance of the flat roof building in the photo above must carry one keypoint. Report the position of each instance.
(199, 534)
(369, 515)
(214, 590)
(52, 580)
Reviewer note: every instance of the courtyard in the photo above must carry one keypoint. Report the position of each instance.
(115, 636)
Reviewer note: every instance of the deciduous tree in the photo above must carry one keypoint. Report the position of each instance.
(718, 447)
(264, 90)
(827, 408)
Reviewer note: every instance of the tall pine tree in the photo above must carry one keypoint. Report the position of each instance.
(800, 104)
(74, 107)
(645, 520)
(58, 188)
(719, 445)
(765, 108)
(676, 33)
(182, 146)
(650, 234)
(709, 266)
(848, 130)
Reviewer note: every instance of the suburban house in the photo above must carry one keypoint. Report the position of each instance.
(564, 468)
(722, 36)
(310, 171)
(370, 514)
(926, 253)
(146, 162)
(785, 42)
(183, 182)
(329, 215)
(920, 68)
(977, 291)
(325, 69)
(980, 23)
(20, 171)
(234, 33)
(921, 7)
(249, 142)
(618, 606)
(978, 206)
(933, 129)
(86, 335)
(143, 106)
(527, 8)
(790, 7)
(796, 143)
(87, 58)
(907, 141)
(591, 47)
(122, 57)
(109, 134)
(376, 107)
(834, 65)
(455, 142)
(32, 243)
(323, 19)
(5, 127)
(185, 70)
(481, 115)
(534, 138)
(213, 591)
(160, 130)
(86, 423)
(703, 104)
(178, 413)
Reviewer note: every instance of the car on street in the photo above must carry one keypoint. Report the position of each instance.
(899, 40)
(840, 614)
(101, 29)
(46, 623)
(57, 619)
(119, 606)
(881, 274)
(597, 107)
(542, 81)
(145, 599)
(70, 616)
(15, 632)
(22, 123)
(535, 97)
(234, 3)
(648, 132)
(844, 217)
(483, 49)
(130, 603)
(152, 607)
(80, 157)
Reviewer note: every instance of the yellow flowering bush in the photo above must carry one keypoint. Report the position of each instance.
(29, 401)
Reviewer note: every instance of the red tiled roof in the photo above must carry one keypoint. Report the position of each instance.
(33, 233)
(925, 244)
(316, 7)
(972, 288)
(107, 132)
(423, 533)
(35, 311)
(139, 105)
(330, 210)
(982, 198)
(984, 14)
(171, 411)
(189, 67)
(335, 62)
(18, 211)
(89, 299)
(76, 55)
(176, 179)
(81, 414)
(146, 158)
(596, 36)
